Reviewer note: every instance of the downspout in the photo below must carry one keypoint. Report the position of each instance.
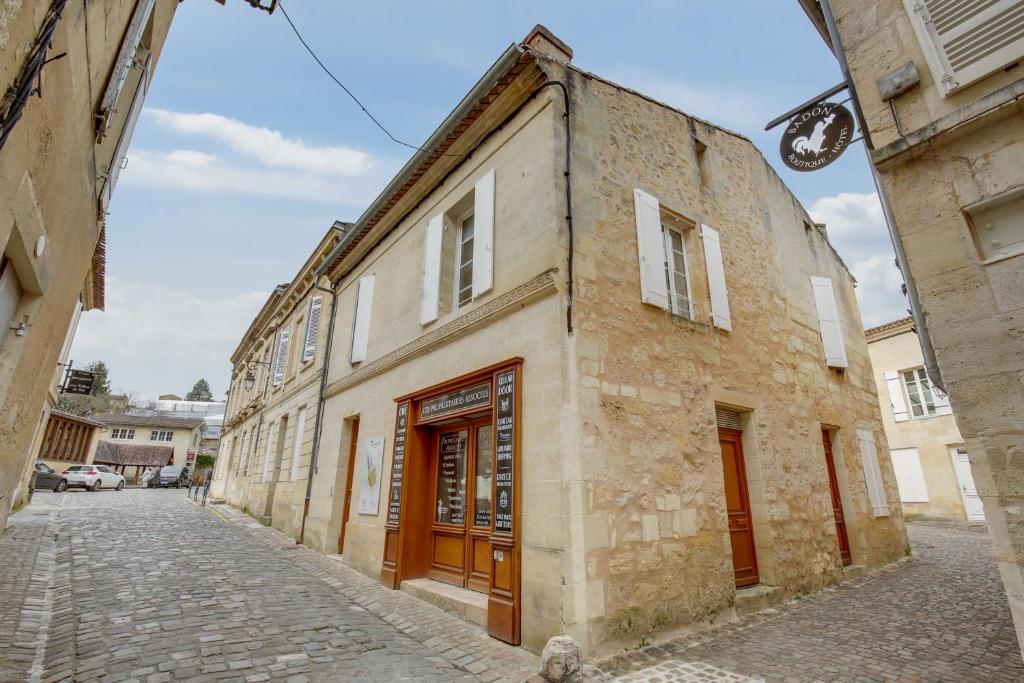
(318, 425)
(931, 365)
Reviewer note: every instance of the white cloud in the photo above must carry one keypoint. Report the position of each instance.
(269, 147)
(160, 340)
(856, 227)
(187, 169)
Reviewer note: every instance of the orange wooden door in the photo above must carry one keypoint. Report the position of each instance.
(737, 501)
(347, 501)
(837, 501)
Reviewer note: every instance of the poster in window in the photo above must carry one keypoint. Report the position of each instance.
(370, 462)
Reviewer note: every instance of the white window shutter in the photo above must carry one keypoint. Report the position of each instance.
(651, 250)
(316, 305)
(940, 400)
(872, 473)
(965, 41)
(269, 452)
(361, 320)
(720, 316)
(896, 400)
(125, 58)
(430, 292)
(283, 337)
(828, 322)
(300, 433)
(483, 234)
(906, 465)
(121, 149)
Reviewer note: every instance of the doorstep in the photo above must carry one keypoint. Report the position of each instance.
(461, 602)
(852, 571)
(756, 598)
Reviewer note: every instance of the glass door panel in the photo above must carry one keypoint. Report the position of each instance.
(482, 483)
(450, 499)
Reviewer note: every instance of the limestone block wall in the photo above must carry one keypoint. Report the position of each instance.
(655, 551)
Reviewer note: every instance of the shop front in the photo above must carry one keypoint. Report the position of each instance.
(453, 506)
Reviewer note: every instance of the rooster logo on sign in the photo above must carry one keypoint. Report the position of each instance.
(805, 144)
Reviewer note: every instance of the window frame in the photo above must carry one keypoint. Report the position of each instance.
(158, 434)
(670, 268)
(457, 286)
(919, 374)
(122, 434)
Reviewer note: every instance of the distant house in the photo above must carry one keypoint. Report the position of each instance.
(138, 457)
(181, 434)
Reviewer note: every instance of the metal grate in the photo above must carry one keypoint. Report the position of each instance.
(727, 419)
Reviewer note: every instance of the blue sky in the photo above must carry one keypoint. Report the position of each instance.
(246, 152)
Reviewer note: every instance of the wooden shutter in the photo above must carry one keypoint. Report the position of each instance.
(651, 250)
(895, 387)
(312, 328)
(872, 473)
(430, 293)
(828, 322)
(125, 58)
(300, 432)
(283, 337)
(940, 400)
(906, 465)
(966, 40)
(720, 316)
(361, 320)
(483, 234)
(121, 150)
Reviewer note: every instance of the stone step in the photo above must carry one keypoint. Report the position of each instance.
(466, 604)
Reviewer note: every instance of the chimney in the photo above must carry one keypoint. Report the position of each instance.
(547, 43)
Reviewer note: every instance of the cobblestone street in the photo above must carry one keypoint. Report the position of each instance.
(145, 585)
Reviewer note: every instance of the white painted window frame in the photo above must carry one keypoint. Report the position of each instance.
(456, 279)
(671, 268)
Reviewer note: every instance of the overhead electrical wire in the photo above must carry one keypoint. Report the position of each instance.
(341, 85)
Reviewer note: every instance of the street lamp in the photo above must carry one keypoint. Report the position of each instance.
(250, 379)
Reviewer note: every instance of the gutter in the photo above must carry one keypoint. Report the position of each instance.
(447, 127)
(931, 364)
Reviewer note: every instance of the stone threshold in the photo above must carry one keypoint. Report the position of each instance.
(463, 603)
(756, 598)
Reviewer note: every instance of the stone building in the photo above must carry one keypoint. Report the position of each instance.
(273, 401)
(601, 384)
(940, 86)
(60, 156)
(928, 454)
(181, 435)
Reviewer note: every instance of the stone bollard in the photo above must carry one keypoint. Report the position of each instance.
(560, 660)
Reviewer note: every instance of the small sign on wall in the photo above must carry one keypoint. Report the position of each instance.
(370, 463)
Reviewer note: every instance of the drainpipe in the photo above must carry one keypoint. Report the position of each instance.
(931, 365)
(318, 426)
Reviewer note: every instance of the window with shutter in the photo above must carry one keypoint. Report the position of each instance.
(895, 389)
(483, 234)
(361, 320)
(126, 57)
(117, 162)
(720, 315)
(966, 40)
(430, 291)
(650, 250)
(828, 322)
(464, 261)
(268, 452)
(312, 328)
(281, 357)
(906, 464)
(10, 297)
(300, 432)
(872, 473)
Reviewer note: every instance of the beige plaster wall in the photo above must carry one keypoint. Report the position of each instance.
(181, 439)
(933, 437)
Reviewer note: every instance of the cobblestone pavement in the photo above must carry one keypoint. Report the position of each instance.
(941, 615)
(145, 585)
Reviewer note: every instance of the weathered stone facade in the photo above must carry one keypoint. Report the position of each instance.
(947, 151)
(54, 191)
(622, 523)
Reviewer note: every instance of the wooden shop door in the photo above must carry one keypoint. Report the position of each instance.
(737, 501)
(463, 459)
(837, 500)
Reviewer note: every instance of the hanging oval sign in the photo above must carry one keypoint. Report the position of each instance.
(816, 137)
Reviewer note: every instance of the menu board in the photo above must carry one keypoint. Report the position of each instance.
(398, 466)
(451, 479)
(504, 465)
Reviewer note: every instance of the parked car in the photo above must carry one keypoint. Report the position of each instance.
(171, 475)
(47, 478)
(93, 477)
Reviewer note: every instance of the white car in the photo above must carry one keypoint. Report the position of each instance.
(93, 477)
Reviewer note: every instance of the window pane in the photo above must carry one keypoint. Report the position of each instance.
(484, 452)
(467, 229)
(450, 501)
(910, 380)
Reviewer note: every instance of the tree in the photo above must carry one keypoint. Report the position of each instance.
(205, 462)
(101, 378)
(200, 392)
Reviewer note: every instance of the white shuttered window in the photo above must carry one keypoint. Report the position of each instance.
(828, 322)
(906, 464)
(281, 356)
(872, 473)
(966, 40)
(720, 315)
(431, 289)
(651, 250)
(361, 320)
(895, 389)
(300, 433)
(483, 234)
(316, 305)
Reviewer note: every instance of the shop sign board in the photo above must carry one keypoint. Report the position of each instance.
(79, 382)
(504, 465)
(478, 396)
(816, 136)
(398, 466)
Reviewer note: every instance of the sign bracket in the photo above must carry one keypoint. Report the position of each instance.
(821, 97)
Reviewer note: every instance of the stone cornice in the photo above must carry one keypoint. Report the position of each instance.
(499, 307)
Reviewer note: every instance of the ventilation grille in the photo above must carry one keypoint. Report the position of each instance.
(727, 419)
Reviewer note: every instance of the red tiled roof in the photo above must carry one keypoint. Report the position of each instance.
(889, 329)
(151, 421)
(142, 455)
